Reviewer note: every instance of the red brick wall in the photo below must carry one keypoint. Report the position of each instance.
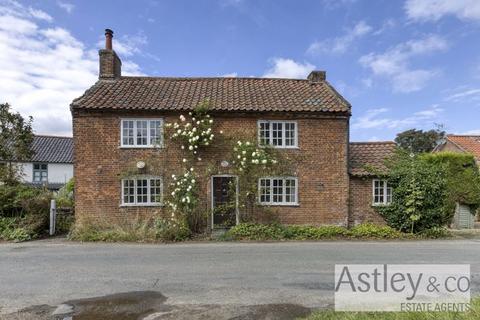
(361, 209)
(99, 163)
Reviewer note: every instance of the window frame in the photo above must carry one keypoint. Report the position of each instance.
(135, 186)
(283, 139)
(135, 136)
(386, 201)
(284, 194)
(39, 170)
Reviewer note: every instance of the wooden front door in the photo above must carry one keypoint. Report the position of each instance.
(224, 201)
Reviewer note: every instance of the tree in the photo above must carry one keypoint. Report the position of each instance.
(419, 194)
(16, 138)
(426, 188)
(419, 141)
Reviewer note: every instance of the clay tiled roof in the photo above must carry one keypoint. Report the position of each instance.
(369, 154)
(470, 144)
(224, 94)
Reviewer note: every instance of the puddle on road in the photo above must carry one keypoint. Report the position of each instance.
(143, 305)
(122, 306)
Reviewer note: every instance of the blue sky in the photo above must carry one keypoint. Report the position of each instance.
(401, 64)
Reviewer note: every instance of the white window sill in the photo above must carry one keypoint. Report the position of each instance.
(277, 147)
(292, 204)
(381, 204)
(129, 205)
(140, 147)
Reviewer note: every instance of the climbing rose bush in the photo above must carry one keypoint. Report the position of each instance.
(246, 154)
(193, 131)
(184, 197)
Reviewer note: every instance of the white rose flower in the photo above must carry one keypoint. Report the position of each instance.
(184, 160)
(248, 143)
(244, 152)
(182, 118)
(221, 131)
(191, 169)
(183, 147)
(239, 143)
(193, 180)
(264, 161)
(211, 121)
(190, 148)
(239, 156)
(199, 159)
(173, 194)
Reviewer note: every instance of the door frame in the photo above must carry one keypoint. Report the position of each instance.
(237, 219)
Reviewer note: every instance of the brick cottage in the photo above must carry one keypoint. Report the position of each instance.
(116, 120)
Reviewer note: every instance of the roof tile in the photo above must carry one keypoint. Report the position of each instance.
(372, 154)
(224, 94)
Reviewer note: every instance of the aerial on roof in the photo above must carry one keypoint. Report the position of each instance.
(369, 154)
(52, 149)
(224, 94)
(468, 143)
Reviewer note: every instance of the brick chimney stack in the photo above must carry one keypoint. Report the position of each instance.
(317, 76)
(110, 63)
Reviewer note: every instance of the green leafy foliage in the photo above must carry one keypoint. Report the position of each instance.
(253, 231)
(419, 141)
(419, 192)
(24, 210)
(16, 137)
(65, 196)
(373, 231)
(426, 188)
(463, 177)
(162, 229)
(171, 231)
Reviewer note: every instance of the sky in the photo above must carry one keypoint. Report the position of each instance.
(400, 63)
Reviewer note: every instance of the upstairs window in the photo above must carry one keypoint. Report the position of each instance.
(279, 134)
(278, 191)
(40, 172)
(142, 133)
(142, 191)
(382, 193)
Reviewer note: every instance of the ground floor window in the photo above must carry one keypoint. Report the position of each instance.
(40, 172)
(140, 191)
(382, 192)
(278, 190)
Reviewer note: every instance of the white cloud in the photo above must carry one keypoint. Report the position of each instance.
(373, 119)
(43, 68)
(288, 68)
(230, 75)
(473, 132)
(340, 44)
(465, 95)
(394, 64)
(435, 9)
(68, 7)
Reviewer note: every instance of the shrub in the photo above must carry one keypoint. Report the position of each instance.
(137, 231)
(314, 233)
(252, 231)
(419, 193)
(369, 230)
(10, 230)
(435, 233)
(168, 230)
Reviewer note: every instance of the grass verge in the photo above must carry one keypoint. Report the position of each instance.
(474, 313)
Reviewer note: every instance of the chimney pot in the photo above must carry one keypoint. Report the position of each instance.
(108, 39)
(317, 76)
(110, 63)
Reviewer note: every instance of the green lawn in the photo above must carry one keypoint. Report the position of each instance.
(474, 313)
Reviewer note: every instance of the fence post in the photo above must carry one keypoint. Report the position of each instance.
(53, 216)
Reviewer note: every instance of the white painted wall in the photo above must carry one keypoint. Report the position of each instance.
(57, 172)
